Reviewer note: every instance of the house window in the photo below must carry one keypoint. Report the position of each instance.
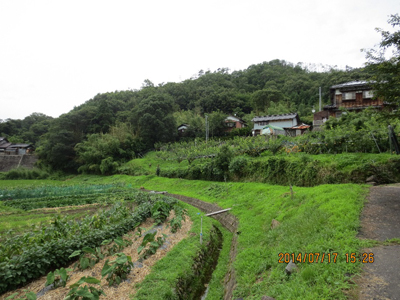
(368, 94)
(231, 124)
(349, 96)
(262, 123)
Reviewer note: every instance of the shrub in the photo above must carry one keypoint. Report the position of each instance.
(22, 173)
(238, 165)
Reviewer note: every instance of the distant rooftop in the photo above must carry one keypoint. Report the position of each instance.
(275, 117)
(350, 84)
(20, 145)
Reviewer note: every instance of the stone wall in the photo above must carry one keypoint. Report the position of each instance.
(9, 162)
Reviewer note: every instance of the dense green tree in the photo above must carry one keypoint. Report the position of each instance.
(195, 121)
(28, 130)
(217, 124)
(154, 120)
(270, 88)
(103, 152)
(222, 161)
(262, 99)
(103, 119)
(385, 67)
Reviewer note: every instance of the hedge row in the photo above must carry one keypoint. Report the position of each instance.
(283, 171)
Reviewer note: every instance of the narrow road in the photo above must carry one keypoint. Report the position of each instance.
(380, 221)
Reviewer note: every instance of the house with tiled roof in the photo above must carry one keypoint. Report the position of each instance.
(274, 124)
(351, 96)
(14, 149)
(233, 122)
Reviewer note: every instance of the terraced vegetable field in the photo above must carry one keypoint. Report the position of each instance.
(87, 238)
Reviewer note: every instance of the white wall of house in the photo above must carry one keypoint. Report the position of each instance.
(279, 123)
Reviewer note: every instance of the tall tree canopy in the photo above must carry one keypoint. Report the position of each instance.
(154, 119)
(267, 88)
(385, 66)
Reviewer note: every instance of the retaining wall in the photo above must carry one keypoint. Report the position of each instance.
(9, 162)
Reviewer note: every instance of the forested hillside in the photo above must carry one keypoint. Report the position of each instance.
(118, 125)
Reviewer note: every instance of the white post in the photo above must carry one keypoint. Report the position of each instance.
(201, 231)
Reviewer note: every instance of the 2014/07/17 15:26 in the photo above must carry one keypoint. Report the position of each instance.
(316, 257)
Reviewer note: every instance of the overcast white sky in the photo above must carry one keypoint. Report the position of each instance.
(55, 55)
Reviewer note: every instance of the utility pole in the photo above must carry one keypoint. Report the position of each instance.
(206, 128)
(320, 102)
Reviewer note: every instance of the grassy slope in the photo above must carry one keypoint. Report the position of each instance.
(320, 219)
(345, 163)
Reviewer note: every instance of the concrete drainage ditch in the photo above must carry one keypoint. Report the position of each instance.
(227, 220)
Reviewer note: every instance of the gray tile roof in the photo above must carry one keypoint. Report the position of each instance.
(20, 146)
(275, 117)
(350, 84)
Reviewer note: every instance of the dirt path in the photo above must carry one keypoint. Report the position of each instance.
(380, 221)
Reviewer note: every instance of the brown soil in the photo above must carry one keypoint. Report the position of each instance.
(127, 288)
(380, 221)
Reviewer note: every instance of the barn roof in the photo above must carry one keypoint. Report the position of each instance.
(4, 145)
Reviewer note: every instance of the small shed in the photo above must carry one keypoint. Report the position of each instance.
(297, 130)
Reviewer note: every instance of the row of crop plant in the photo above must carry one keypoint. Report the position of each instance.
(31, 255)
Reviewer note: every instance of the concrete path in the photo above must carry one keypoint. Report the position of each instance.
(380, 221)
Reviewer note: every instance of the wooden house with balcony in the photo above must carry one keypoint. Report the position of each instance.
(351, 96)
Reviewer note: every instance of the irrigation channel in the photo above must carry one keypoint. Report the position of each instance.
(227, 220)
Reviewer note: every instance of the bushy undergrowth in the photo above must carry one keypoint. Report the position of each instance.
(296, 169)
(22, 173)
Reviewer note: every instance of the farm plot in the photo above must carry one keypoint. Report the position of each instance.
(141, 267)
(17, 204)
(33, 254)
